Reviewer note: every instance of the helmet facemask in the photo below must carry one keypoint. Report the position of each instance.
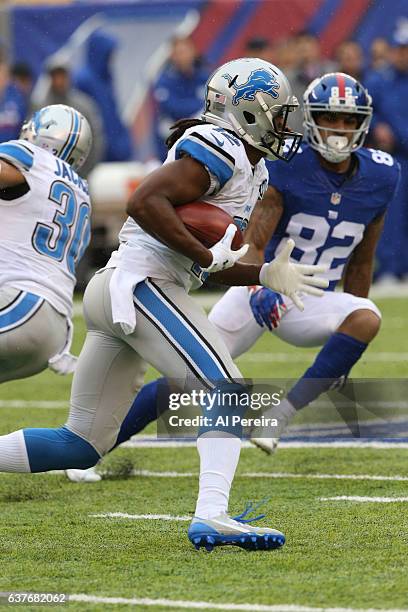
(334, 144)
(267, 130)
(331, 145)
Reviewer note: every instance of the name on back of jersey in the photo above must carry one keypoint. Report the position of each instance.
(65, 172)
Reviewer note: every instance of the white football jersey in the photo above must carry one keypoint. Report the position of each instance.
(235, 187)
(45, 231)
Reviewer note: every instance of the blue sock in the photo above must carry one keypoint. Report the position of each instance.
(335, 360)
(58, 449)
(144, 409)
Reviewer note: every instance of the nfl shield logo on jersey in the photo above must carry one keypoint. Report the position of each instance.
(335, 198)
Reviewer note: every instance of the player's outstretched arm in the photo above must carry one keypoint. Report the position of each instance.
(281, 275)
(9, 175)
(359, 270)
(289, 278)
(262, 225)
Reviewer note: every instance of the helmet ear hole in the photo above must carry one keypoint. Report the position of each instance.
(250, 117)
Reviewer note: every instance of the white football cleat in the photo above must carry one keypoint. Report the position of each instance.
(268, 445)
(223, 530)
(88, 476)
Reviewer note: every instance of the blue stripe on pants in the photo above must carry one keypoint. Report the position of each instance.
(20, 310)
(177, 330)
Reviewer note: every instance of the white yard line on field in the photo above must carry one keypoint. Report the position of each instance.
(141, 517)
(151, 441)
(319, 404)
(153, 474)
(325, 476)
(284, 475)
(360, 499)
(207, 605)
(272, 475)
(47, 404)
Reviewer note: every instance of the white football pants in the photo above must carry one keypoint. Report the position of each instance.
(172, 333)
(31, 332)
(232, 316)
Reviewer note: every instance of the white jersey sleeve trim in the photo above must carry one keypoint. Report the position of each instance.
(18, 155)
(218, 162)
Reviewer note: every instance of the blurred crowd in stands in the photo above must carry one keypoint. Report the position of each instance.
(178, 92)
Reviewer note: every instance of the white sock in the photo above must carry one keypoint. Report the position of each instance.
(219, 454)
(13, 453)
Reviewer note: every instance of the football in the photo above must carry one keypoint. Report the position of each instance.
(208, 223)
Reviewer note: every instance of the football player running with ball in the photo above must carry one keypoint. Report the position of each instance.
(331, 200)
(45, 228)
(138, 310)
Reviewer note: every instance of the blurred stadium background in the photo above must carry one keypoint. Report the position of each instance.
(134, 67)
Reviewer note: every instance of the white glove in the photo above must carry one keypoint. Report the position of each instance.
(288, 278)
(63, 364)
(223, 256)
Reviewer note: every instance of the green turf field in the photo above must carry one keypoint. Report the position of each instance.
(339, 554)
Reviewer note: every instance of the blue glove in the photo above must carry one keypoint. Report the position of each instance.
(267, 307)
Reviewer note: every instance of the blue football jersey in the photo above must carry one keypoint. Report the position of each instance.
(325, 213)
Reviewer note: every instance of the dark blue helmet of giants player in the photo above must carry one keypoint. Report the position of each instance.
(336, 93)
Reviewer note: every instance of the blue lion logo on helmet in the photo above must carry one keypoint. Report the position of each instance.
(260, 80)
(39, 122)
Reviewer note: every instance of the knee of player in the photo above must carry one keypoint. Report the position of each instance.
(365, 322)
(138, 381)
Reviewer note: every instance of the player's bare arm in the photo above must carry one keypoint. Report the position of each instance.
(152, 205)
(262, 225)
(9, 175)
(264, 220)
(359, 271)
(239, 274)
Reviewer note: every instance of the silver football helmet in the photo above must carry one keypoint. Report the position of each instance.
(253, 98)
(62, 131)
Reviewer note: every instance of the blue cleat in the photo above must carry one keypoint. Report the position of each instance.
(226, 531)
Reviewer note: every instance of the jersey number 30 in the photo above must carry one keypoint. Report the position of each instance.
(70, 233)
